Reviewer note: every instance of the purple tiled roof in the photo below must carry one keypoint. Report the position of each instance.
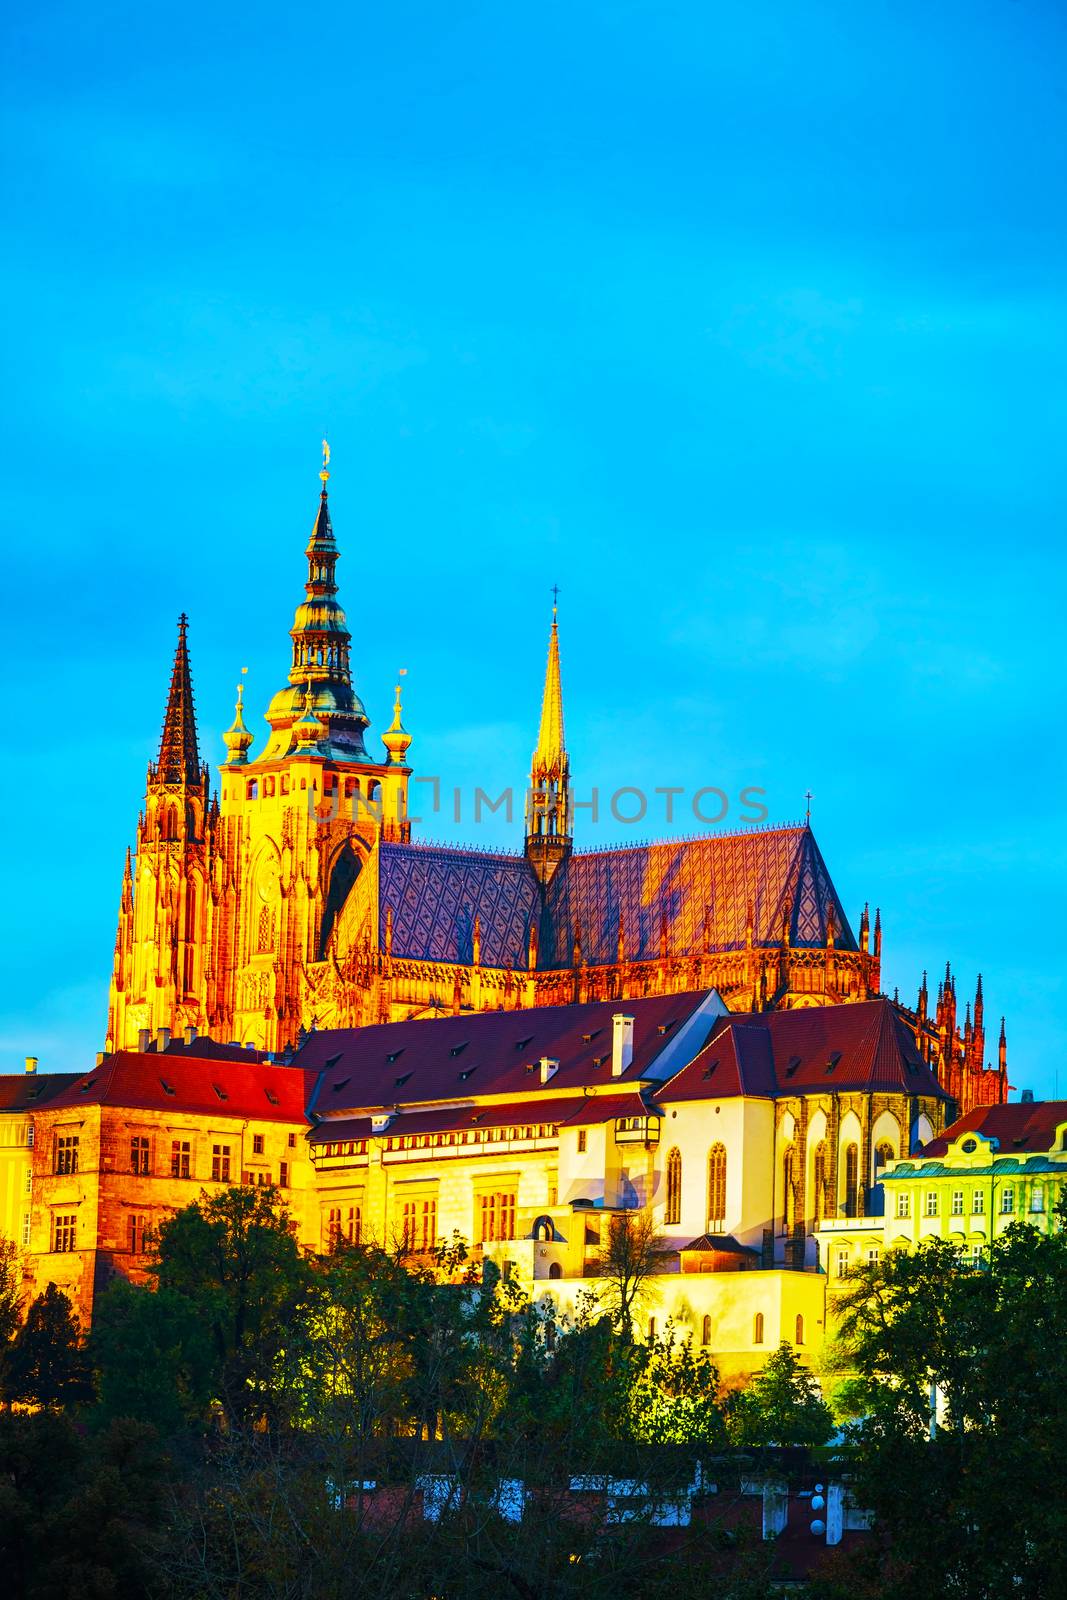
(696, 892)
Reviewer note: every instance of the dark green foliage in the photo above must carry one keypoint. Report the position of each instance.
(155, 1357)
(233, 1258)
(47, 1364)
(977, 1358)
(783, 1405)
(78, 1521)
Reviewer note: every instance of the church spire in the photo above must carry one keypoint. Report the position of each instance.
(320, 653)
(550, 744)
(548, 808)
(179, 753)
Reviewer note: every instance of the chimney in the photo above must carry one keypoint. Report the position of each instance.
(144, 1039)
(622, 1044)
(549, 1068)
(101, 1057)
(1026, 1096)
(162, 1040)
(190, 1034)
(31, 1064)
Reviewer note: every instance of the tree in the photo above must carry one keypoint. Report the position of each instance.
(960, 1371)
(782, 1405)
(633, 1254)
(233, 1257)
(48, 1365)
(9, 1307)
(154, 1356)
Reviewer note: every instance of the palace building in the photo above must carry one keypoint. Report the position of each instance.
(522, 1132)
(996, 1166)
(292, 896)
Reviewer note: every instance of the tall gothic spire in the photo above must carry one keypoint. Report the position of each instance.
(548, 809)
(320, 654)
(551, 749)
(179, 753)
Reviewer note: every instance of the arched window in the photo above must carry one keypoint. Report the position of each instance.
(884, 1153)
(789, 1187)
(705, 1331)
(818, 1178)
(673, 1211)
(555, 1270)
(800, 1330)
(852, 1179)
(757, 1328)
(265, 930)
(716, 1187)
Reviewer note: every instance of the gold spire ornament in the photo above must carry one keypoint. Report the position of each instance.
(396, 738)
(324, 475)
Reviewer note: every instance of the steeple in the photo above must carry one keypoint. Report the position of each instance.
(179, 753)
(550, 744)
(320, 654)
(548, 808)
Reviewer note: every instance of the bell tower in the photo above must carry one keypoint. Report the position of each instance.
(548, 803)
(299, 826)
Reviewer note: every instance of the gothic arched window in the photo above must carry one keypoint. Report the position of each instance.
(705, 1331)
(716, 1187)
(852, 1180)
(818, 1178)
(884, 1153)
(757, 1328)
(673, 1211)
(800, 1330)
(789, 1187)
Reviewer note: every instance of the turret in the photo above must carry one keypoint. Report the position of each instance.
(548, 808)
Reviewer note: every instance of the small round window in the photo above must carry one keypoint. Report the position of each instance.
(969, 1146)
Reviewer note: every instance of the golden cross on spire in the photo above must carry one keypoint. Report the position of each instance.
(555, 600)
(324, 475)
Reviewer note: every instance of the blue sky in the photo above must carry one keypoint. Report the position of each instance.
(744, 324)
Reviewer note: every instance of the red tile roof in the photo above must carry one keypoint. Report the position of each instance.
(735, 1061)
(1029, 1127)
(489, 1052)
(30, 1091)
(186, 1083)
(862, 1045)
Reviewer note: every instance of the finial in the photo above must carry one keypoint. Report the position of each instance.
(809, 797)
(396, 738)
(324, 474)
(555, 602)
(238, 740)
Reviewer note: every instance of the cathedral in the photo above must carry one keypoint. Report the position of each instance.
(291, 897)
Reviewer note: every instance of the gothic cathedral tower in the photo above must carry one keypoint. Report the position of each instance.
(246, 915)
(158, 977)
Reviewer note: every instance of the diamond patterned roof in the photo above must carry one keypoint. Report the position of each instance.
(435, 894)
(681, 882)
